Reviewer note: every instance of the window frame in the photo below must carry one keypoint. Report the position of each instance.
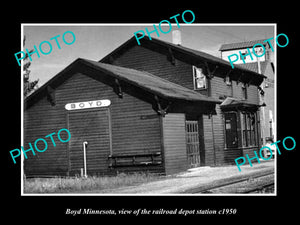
(194, 68)
(244, 91)
(243, 55)
(249, 130)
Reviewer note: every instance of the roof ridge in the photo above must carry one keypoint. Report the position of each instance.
(185, 50)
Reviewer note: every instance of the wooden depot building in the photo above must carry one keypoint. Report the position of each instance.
(156, 107)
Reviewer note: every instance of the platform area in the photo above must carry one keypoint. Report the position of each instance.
(184, 183)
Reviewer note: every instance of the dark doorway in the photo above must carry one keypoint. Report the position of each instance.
(231, 130)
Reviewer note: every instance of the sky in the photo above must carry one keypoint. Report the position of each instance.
(94, 41)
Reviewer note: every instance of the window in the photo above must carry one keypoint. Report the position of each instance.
(242, 55)
(231, 132)
(199, 79)
(260, 51)
(228, 81)
(229, 88)
(248, 121)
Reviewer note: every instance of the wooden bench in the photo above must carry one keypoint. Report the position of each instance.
(143, 159)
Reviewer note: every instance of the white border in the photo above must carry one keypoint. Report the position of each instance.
(145, 24)
(22, 112)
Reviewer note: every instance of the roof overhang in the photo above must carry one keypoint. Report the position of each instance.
(156, 86)
(243, 45)
(236, 104)
(191, 56)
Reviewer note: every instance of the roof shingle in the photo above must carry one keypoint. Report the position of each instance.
(185, 50)
(240, 45)
(149, 82)
(144, 80)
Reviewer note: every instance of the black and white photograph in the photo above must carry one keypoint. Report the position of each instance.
(170, 112)
(109, 112)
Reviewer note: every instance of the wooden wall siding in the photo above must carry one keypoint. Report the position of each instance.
(39, 121)
(141, 58)
(91, 126)
(250, 152)
(181, 73)
(209, 141)
(214, 140)
(130, 133)
(253, 94)
(201, 140)
(219, 136)
(231, 154)
(174, 141)
(219, 88)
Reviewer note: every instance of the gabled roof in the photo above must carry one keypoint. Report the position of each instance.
(149, 82)
(186, 54)
(141, 79)
(240, 45)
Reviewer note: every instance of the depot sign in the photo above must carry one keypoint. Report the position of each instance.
(87, 105)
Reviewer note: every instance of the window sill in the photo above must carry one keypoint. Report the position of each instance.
(200, 89)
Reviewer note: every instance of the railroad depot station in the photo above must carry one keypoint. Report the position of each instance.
(157, 107)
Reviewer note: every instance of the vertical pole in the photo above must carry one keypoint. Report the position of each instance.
(68, 147)
(261, 98)
(213, 136)
(84, 157)
(271, 129)
(258, 65)
(110, 131)
(271, 123)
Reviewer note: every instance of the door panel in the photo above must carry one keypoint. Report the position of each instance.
(193, 145)
(231, 130)
(93, 127)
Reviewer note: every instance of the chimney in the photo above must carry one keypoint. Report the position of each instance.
(258, 65)
(176, 37)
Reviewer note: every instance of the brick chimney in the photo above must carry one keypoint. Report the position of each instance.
(176, 37)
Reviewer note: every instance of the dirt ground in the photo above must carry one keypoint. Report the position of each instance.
(177, 184)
